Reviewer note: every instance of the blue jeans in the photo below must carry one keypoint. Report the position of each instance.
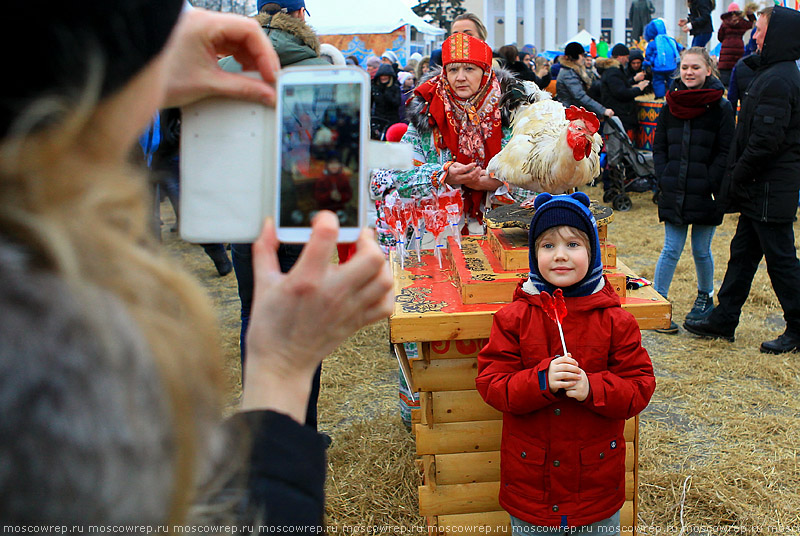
(701, 40)
(606, 527)
(674, 240)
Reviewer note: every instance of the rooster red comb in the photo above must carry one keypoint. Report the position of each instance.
(592, 123)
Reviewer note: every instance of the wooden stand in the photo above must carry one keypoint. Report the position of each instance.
(449, 311)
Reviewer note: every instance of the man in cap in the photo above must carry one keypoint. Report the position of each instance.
(573, 82)
(616, 90)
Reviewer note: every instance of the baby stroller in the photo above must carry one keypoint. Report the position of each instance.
(628, 170)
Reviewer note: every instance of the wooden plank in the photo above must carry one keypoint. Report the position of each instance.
(448, 438)
(461, 406)
(481, 523)
(626, 515)
(426, 408)
(441, 326)
(453, 349)
(463, 468)
(631, 426)
(445, 374)
(459, 498)
(429, 471)
(497, 522)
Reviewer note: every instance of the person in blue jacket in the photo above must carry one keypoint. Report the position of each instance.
(663, 55)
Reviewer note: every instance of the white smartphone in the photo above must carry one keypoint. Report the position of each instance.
(323, 127)
(226, 166)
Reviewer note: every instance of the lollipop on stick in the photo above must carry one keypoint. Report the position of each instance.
(390, 214)
(556, 309)
(408, 208)
(451, 202)
(435, 222)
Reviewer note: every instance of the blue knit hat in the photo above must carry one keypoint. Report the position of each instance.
(288, 5)
(573, 210)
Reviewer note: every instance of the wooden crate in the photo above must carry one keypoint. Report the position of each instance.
(458, 444)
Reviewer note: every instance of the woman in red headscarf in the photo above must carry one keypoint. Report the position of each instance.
(457, 123)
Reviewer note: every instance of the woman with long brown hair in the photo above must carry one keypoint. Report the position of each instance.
(110, 376)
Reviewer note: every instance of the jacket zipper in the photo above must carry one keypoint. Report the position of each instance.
(766, 202)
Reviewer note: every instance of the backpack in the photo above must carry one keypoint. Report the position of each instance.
(667, 56)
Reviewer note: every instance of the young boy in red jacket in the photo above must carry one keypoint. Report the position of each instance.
(564, 410)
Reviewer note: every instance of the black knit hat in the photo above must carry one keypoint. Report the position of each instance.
(572, 210)
(573, 50)
(636, 54)
(52, 49)
(619, 50)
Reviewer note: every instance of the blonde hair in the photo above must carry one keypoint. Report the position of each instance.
(83, 218)
(482, 33)
(564, 231)
(707, 59)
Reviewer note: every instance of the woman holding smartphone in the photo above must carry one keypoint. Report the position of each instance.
(111, 386)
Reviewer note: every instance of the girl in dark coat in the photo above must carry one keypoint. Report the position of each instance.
(385, 100)
(693, 134)
(734, 25)
(699, 23)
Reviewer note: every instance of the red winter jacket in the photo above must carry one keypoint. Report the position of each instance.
(563, 461)
(730, 36)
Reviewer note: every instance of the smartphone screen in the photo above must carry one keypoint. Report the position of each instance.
(321, 124)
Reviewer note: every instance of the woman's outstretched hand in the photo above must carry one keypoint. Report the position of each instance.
(300, 317)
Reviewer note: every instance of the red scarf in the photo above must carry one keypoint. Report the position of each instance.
(470, 129)
(691, 103)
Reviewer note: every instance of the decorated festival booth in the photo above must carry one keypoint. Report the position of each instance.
(447, 311)
(362, 28)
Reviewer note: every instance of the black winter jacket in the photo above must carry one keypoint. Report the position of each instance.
(764, 163)
(386, 97)
(617, 93)
(700, 17)
(690, 157)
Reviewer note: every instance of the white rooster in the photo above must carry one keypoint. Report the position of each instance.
(551, 149)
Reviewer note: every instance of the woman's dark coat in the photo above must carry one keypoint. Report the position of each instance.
(730, 36)
(690, 157)
(700, 17)
(617, 93)
(386, 97)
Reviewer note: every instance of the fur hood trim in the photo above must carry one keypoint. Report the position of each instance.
(579, 69)
(291, 25)
(415, 107)
(607, 63)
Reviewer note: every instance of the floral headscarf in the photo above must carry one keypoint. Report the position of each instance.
(470, 128)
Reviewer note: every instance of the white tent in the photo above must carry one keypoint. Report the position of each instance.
(343, 17)
(583, 37)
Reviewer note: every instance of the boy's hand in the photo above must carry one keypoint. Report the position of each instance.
(563, 373)
(580, 391)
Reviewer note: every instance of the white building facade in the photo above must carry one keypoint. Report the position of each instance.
(549, 24)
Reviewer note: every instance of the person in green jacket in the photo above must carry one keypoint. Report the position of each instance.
(296, 44)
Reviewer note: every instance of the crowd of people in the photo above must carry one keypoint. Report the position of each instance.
(110, 374)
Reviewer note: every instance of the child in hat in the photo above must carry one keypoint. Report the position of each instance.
(564, 409)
